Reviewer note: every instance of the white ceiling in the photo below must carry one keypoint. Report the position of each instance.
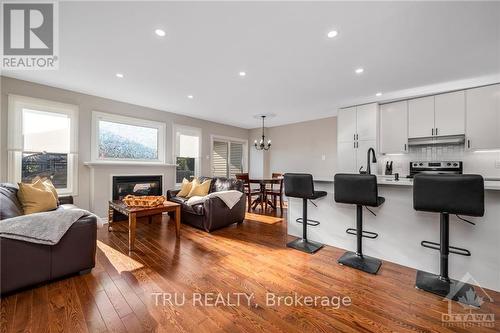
(293, 69)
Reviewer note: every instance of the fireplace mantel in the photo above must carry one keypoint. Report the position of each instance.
(137, 164)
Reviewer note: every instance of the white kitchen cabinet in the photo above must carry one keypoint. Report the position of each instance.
(394, 127)
(356, 132)
(366, 122)
(421, 117)
(449, 117)
(346, 161)
(346, 125)
(483, 117)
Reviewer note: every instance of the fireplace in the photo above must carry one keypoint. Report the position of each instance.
(136, 185)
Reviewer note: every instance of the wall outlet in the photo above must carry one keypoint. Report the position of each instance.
(497, 164)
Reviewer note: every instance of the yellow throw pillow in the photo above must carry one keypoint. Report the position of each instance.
(35, 199)
(40, 183)
(185, 188)
(199, 189)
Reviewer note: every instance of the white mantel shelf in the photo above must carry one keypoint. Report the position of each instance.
(135, 164)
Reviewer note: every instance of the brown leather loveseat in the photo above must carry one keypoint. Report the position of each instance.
(213, 213)
(24, 264)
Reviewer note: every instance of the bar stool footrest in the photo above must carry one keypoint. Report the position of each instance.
(363, 263)
(451, 289)
(452, 249)
(309, 222)
(365, 234)
(305, 245)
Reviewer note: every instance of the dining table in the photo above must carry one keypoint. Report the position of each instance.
(262, 198)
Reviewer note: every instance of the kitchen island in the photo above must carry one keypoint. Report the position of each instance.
(401, 229)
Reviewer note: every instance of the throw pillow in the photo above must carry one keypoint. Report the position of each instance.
(185, 188)
(35, 199)
(199, 189)
(40, 182)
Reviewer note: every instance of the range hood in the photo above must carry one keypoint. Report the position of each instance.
(437, 140)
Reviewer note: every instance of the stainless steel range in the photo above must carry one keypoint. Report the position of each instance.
(445, 167)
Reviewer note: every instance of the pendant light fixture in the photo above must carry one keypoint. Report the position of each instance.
(262, 145)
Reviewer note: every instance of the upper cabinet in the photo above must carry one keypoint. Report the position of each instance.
(366, 119)
(356, 133)
(449, 114)
(421, 117)
(483, 117)
(394, 127)
(438, 115)
(346, 125)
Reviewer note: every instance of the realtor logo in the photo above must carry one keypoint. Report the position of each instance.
(30, 38)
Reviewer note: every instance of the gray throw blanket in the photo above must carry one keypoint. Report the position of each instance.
(43, 228)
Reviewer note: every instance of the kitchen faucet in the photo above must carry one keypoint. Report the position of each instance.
(368, 167)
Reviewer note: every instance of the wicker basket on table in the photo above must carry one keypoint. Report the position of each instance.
(144, 201)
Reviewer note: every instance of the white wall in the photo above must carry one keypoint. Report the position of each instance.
(298, 147)
(87, 104)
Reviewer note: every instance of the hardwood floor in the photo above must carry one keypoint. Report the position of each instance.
(119, 294)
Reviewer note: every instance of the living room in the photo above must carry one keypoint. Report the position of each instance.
(225, 166)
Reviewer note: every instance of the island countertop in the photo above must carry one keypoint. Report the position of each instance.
(491, 185)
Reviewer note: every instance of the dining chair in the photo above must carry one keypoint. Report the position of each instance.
(276, 193)
(249, 192)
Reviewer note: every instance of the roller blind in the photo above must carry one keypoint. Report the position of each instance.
(220, 155)
(236, 159)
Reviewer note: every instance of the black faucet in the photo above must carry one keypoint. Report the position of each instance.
(374, 160)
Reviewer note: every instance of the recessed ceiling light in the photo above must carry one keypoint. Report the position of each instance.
(378, 94)
(359, 70)
(242, 73)
(190, 96)
(332, 34)
(160, 32)
(119, 75)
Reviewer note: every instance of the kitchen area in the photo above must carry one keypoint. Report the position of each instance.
(456, 132)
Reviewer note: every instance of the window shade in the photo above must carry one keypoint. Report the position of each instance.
(189, 146)
(45, 131)
(219, 159)
(236, 159)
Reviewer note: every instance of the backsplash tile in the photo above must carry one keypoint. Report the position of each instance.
(482, 163)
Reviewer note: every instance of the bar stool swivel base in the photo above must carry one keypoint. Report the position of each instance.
(363, 263)
(451, 289)
(305, 245)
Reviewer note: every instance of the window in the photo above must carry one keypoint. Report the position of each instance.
(187, 152)
(117, 138)
(228, 157)
(42, 142)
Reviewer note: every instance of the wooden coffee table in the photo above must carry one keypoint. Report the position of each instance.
(134, 212)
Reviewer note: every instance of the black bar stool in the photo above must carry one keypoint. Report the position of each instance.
(360, 190)
(447, 194)
(300, 185)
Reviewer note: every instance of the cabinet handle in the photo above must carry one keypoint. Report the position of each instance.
(433, 132)
(405, 146)
(354, 136)
(468, 143)
(436, 131)
(357, 136)
(354, 144)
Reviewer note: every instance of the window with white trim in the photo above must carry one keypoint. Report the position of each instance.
(42, 141)
(228, 157)
(187, 152)
(125, 139)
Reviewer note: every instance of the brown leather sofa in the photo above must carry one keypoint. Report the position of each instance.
(24, 264)
(212, 214)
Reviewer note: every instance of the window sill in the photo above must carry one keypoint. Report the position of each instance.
(124, 163)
